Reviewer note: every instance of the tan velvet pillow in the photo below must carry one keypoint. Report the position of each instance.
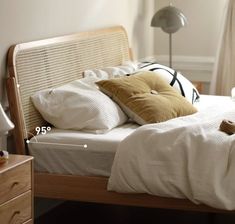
(146, 97)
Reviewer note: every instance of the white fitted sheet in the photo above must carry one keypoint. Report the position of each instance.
(62, 151)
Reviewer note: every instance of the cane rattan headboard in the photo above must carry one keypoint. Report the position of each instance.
(53, 62)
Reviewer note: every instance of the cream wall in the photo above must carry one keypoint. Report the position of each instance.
(26, 20)
(193, 46)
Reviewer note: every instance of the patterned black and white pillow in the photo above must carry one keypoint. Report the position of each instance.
(174, 78)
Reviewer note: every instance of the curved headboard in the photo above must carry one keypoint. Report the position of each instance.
(53, 62)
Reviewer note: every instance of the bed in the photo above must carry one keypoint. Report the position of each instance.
(53, 62)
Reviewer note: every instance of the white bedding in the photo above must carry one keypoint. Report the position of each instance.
(187, 170)
(62, 151)
(186, 157)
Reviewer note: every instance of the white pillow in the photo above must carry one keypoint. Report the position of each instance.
(79, 105)
(127, 67)
(174, 78)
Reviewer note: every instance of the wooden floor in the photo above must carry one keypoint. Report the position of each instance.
(88, 213)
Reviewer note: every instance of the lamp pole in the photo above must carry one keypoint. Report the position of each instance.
(170, 50)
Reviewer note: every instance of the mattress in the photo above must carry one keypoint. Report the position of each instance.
(75, 152)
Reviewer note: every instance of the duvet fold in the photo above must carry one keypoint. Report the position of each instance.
(187, 157)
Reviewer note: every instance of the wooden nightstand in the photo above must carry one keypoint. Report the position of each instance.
(16, 190)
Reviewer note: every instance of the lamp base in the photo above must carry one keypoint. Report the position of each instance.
(4, 155)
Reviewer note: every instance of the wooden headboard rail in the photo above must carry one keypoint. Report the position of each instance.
(53, 62)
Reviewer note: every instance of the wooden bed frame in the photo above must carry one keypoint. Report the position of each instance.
(52, 62)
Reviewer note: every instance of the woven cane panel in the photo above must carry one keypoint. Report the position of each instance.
(55, 64)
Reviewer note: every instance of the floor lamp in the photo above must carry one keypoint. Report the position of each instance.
(170, 20)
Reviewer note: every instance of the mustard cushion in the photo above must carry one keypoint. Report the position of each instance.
(146, 97)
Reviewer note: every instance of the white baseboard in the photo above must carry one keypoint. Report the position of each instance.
(195, 68)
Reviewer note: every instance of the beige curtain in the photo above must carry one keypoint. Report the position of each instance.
(223, 78)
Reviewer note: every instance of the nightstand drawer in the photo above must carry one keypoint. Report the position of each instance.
(15, 182)
(17, 210)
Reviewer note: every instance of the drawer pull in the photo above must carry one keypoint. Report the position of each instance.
(16, 213)
(14, 184)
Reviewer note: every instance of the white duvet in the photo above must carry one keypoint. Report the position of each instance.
(186, 157)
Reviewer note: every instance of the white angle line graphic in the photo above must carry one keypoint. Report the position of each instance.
(52, 143)
(44, 130)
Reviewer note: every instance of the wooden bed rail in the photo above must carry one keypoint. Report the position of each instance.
(81, 188)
